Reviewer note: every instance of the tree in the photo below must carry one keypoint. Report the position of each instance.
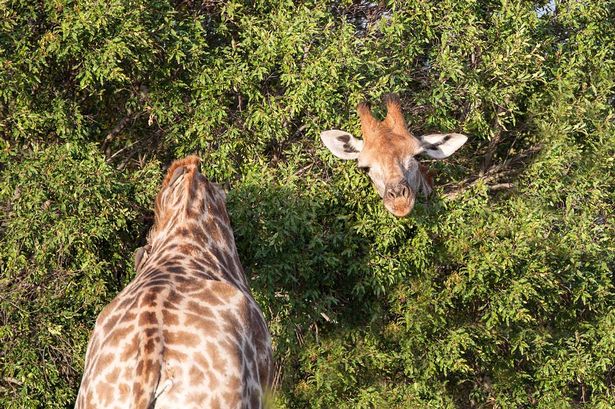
(496, 292)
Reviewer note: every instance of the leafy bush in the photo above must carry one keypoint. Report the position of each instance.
(69, 223)
(496, 292)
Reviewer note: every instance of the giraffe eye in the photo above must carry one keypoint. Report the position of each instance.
(364, 169)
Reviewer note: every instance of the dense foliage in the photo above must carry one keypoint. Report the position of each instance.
(497, 292)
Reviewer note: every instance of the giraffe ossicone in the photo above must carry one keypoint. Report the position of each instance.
(186, 331)
(388, 153)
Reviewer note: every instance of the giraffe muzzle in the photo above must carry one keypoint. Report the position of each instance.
(399, 199)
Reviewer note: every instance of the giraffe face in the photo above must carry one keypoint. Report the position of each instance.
(387, 153)
(389, 161)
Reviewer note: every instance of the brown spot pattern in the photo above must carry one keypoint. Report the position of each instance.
(187, 320)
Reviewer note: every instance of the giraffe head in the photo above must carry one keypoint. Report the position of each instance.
(387, 153)
(186, 194)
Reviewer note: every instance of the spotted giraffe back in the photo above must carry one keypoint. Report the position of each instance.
(186, 332)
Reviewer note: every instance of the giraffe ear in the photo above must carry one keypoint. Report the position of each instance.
(176, 174)
(342, 144)
(440, 146)
(140, 257)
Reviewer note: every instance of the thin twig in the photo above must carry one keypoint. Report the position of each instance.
(303, 169)
(494, 142)
(504, 169)
(125, 147)
(277, 378)
(501, 186)
(8, 379)
(117, 129)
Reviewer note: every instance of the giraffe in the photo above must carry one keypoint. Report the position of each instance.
(186, 331)
(387, 153)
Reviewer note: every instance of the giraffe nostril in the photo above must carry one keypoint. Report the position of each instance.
(405, 192)
(399, 191)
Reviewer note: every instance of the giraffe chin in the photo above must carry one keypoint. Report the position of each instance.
(399, 207)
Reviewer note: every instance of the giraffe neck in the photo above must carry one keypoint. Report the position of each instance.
(185, 332)
(196, 242)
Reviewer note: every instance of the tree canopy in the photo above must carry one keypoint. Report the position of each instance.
(496, 292)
